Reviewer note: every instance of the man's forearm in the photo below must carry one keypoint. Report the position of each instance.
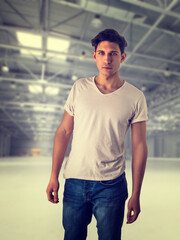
(139, 157)
(60, 145)
(61, 141)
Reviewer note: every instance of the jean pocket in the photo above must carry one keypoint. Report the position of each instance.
(113, 181)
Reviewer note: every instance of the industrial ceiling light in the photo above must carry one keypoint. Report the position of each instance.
(13, 85)
(139, 18)
(167, 72)
(83, 55)
(51, 90)
(5, 68)
(96, 22)
(143, 88)
(74, 77)
(17, 96)
(35, 88)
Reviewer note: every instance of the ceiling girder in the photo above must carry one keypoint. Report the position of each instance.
(121, 18)
(161, 10)
(63, 36)
(153, 27)
(67, 20)
(40, 82)
(91, 59)
(160, 102)
(18, 13)
(15, 122)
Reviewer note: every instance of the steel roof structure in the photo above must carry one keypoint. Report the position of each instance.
(151, 28)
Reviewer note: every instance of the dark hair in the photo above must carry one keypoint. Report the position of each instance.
(110, 35)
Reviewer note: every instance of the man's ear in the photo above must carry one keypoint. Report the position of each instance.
(123, 57)
(94, 55)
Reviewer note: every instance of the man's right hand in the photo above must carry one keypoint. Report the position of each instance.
(52, 191)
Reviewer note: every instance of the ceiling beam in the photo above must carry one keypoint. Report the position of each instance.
(91, 59)
(28, 70)
(12, 119)
(53, 121)
(6, 129)
(40, 82)
(69, 86)
(140, 4)
(68, 19)
(37, 30)
(63, 36)
(151, 69)
(160, 106)
(32, 104)
(152, 28)
(17, 47)
(104, 13)
(154, 8)
(18, 12)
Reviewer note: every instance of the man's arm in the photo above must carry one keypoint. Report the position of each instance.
(61, 141)
(139, 156)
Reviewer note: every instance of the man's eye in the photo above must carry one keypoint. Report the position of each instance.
(101, 53)
(113, 53)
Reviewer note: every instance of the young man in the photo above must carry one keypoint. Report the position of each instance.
(99, 111)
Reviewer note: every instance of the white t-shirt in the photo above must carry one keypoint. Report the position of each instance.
(100, 125)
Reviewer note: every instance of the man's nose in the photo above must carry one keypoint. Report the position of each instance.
(107, 59)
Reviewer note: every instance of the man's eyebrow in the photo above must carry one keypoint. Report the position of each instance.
(110, 51)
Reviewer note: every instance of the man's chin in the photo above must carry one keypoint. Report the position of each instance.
(108, 74)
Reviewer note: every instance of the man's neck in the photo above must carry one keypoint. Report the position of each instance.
(108, 85)
(113, 82)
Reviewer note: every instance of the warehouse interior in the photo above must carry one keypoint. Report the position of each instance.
(45, 46)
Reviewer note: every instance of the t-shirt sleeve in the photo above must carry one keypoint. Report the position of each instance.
(69, 105)
(140, 113)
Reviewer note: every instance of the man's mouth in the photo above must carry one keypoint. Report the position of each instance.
(107, 68)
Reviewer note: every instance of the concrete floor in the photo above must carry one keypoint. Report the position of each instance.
(25, 212)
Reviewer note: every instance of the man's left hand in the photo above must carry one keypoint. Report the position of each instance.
(133, 209)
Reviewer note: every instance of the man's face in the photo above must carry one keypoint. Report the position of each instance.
(108, 58)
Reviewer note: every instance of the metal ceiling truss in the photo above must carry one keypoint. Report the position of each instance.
(88, 9)
(129, 54)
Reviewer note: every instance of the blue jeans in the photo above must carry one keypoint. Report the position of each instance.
(104, 199)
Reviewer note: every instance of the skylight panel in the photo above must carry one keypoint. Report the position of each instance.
(35, 89)
(51, 90)
(44, 109)
(59, 45)
(30, 40)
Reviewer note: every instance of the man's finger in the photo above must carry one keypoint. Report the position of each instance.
(49, 196)
(56, 200)
(52, 192)
(129, 215)
(132, 216)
